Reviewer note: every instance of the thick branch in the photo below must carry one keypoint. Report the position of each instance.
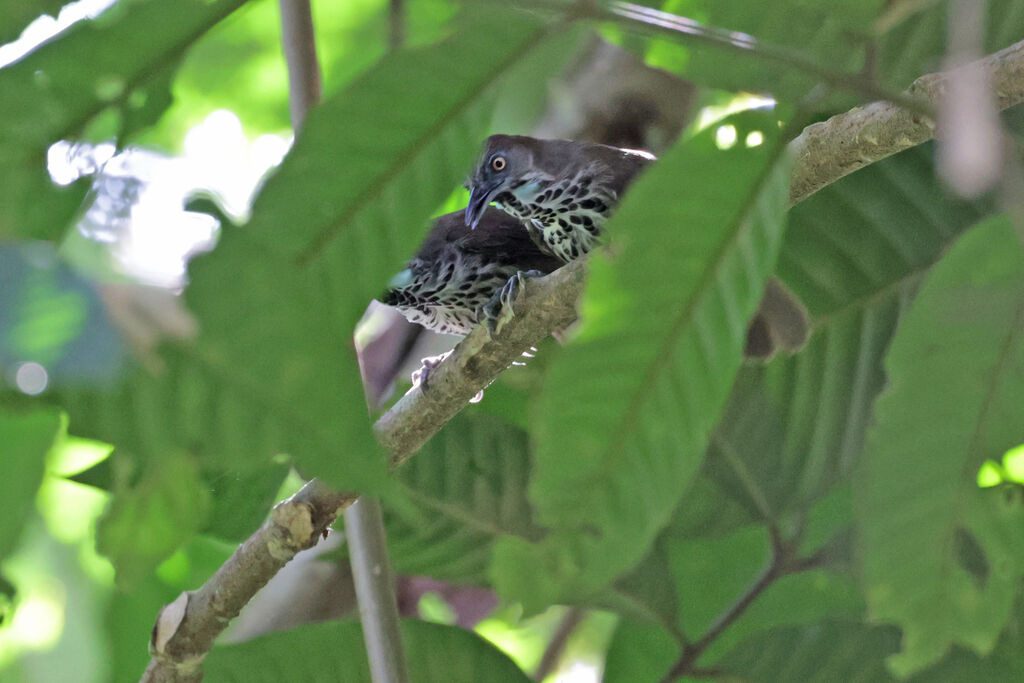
(186, 628)
(825, 152)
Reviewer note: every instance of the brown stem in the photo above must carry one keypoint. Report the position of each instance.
(556, 646)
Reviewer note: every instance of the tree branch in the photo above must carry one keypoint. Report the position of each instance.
(186, 628)
(824, 153)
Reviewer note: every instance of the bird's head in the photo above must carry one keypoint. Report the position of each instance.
(505, 160)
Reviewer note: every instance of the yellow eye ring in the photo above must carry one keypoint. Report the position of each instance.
(498, 163)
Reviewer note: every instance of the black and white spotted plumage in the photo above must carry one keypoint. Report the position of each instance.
(563, 190)
(457, 270)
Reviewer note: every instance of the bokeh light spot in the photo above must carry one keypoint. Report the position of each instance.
(31, 378)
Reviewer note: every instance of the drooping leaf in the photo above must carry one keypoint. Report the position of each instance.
(623, 420)
(942, 558)
(26, 438)
(334, 651)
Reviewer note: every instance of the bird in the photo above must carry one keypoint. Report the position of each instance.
(460, 276)
(563, 190)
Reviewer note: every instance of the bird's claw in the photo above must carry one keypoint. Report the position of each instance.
(420, 376)
(498, 311)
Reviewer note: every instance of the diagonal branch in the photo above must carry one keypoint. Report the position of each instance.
(824, 152)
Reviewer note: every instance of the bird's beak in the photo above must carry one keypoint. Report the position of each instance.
(479, 197)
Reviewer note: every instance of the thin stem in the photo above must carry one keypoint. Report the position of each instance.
(396, 24)
(375, 591)
(783, 563)
(572, 618)
(300, 54)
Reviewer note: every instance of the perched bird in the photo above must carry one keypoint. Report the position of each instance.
(459, 275)
(563, 190)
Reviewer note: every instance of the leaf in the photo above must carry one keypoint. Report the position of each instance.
(469, 485)
(955, 398)
(27, 437)
(363, 196)
(823, 652)
(397, 145)
(146, 523)
(291, 365)
(918, 45)
(66, 82)
(854, 253)
(334, 651)
(829, 34)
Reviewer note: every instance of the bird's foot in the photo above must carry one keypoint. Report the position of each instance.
(498, 311)
(421, 375)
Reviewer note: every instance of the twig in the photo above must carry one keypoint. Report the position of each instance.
(396, 24)
(300, 54)
(825, 152)
(186, 628)
(375, 590)
(572, 618)
(783, 563)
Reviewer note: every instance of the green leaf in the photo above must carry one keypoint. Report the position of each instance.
(146, 523)
(821, 653)
(830, 34)
(334, 651)
(68, 81)
(373, 161)
(469, 485)
(854, 253)
(942, 558)
(611, 463)
(918, 45)
(363, 196)
(292, 364)
(27, 437)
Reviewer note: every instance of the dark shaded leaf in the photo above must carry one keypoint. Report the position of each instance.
(330, 652)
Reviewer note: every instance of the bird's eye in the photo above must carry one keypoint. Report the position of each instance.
(498, 163)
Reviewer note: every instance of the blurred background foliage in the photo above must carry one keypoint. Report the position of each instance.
(605, 504)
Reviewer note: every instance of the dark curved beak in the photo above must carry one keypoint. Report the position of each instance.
(479, 197)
